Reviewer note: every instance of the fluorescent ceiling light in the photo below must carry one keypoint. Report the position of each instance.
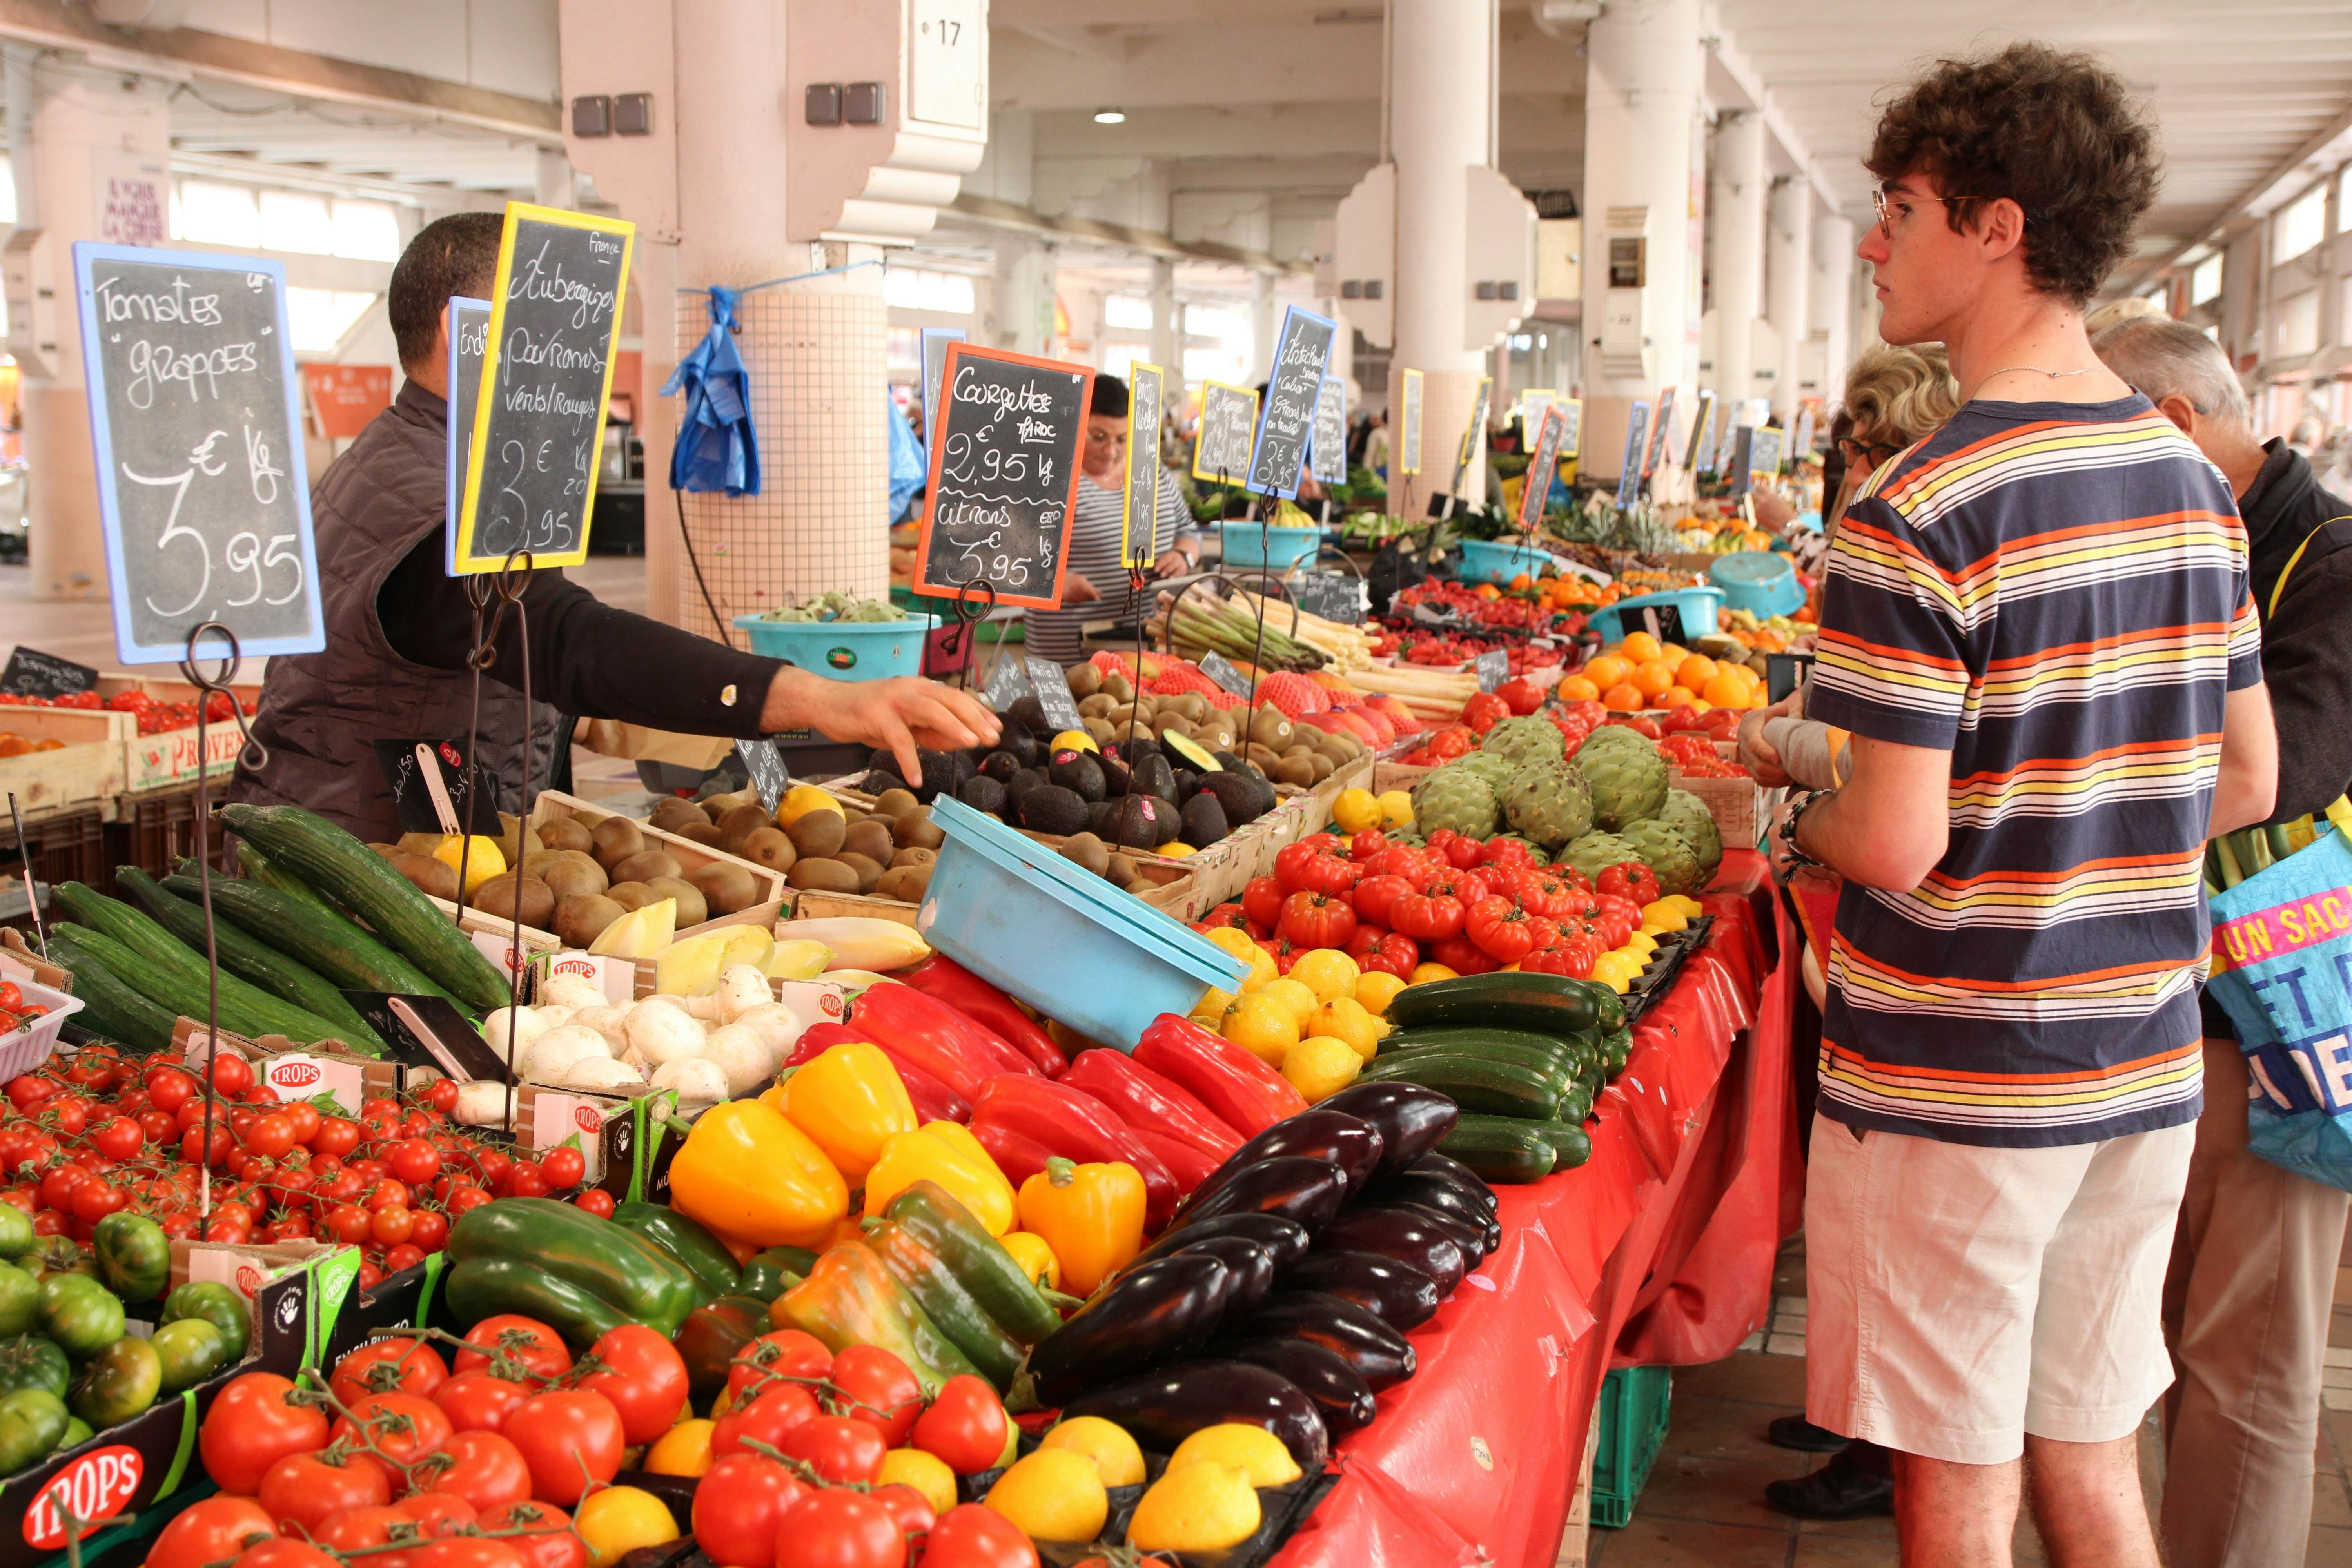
(1110, 117)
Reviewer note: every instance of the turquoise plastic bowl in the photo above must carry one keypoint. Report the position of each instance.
(1492, 561)
(1058, 937)
(1697, 605)
(1263, 546)
(843, 650)
(1762, 582)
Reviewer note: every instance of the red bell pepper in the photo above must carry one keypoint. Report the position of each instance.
(935, 1037)
(819, 1039)
(1149, 1102)
(1242, 1091)
(934, 1101)
(1186, 1164)
(1076, 1125)
(942, 977)
(1019, 1158)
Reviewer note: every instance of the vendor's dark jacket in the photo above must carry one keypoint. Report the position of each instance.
(2296, 529)
(399, 631)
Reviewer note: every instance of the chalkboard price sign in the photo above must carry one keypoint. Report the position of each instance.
(1702, 448)
(1409, 433)
(1285, 427)
(1220, 452)
(1005, 475)
(1493, 667)
(1053, 689)
(195, 418)
(461, 784)
(1329, 465)
(1138, 538)
(764, 763)
(1219, 668)
(1659, 432)
(546, 383)
(1474, 435)
(1334, 595)
(32, 673)
(1569, 412)
(1543, 469)
(467, 322)
(1007, 684)
(1629, 477)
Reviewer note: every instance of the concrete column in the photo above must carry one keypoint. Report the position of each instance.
(1164, 351)
(1263, 324)
(86, 130)
(1021, 310)
(553, 185)
(1789, 246)
(1738, 265)
(1833, 302)
(1641, 111)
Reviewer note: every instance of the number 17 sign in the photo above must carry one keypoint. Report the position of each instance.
(197, 433)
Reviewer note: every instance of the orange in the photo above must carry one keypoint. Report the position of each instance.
(1622, 698)
(1639, 647)
(1726, 690)
(1651, 679)
(1745, 676)
(1577, 689)
(1677, 696)
(1488, 590)
(1694, 671)
(1702, 706)
(1673, 653)
(1607, 670)
(1519, 583)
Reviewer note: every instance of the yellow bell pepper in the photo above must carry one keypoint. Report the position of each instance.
(850, 1101)
(752, 1177)
(1036, 1259)
(945, 1153)
(1090, 1215)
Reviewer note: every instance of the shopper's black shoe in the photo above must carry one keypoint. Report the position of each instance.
(1843, 1488)
(1795, 1432)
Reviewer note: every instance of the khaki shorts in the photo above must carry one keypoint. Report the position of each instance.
(1959, 1297)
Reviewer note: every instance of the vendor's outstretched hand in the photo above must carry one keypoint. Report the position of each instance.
(1759, 755)
(896, 715)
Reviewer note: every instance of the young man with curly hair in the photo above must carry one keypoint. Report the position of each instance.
(2037, 627)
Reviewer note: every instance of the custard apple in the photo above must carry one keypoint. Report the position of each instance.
(1596, 852)
(1525, 742)
(1457, 798)
(1550, 803)
(1687, 812)
(1629, 781)
(1665, 851)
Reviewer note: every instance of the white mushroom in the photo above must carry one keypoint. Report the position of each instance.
(481, 1103)
(511, 1026)
(741, 989)
(697, 1079)
(778, 1026)
(742, 1054)
(574, 991)
(603, 1074)
(661, 1032)
(552, 1055)
(605, 1020)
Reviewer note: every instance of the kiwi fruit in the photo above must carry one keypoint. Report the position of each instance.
(739, 823)
(1088, 852)
(582, 919)
(1118, 686)
(913, 856)
(816, 834)
(386, 850)
(630, 895)
(868, 869)
(895, 803)
(717, 806)
(1320, 765)
(425, 874)
(616, 838)
(771, 847)
(499, 896)
(1099, 706)
(672, 814)
(533, 864)
(1121, 872)
(1101, 730)
(1299, 770)
(703, 833)
(515, 840)
(724, 888)
(566, 833)
(983, 793)
(646, 865)
(904, 884)
(871, 839)
(692, 910)
(423, 843)
(822, 875)
(1085, 680)
(566, 878)
(920, 832)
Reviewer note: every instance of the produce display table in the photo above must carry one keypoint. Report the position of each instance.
(1658, 1249)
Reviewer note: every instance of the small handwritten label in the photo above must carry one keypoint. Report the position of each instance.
(1493, 667)
(1334, 595)
(32, 673)
(764, 762)
(1219, 668)
(1053, 690)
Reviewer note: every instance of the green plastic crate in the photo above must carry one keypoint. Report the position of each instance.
(1631, 1418)
(943, 606)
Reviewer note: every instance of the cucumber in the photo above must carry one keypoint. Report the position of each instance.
(1502, 1045)
(1500, 1147)
(304, 926)
(330, 859)
(177, 978)
(110, 1006)
(1477, 1083)
(1571, 1146)
(1547, 1004)
(252, 959)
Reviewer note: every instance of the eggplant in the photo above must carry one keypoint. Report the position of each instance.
(1377, 1352)
(1408, 1118)
(1470, 1237)
(1292, 1186)
(1399, 1295)
(1161, 1409)
(1400, 1234)
(1148, 1317)
(1436, 1165)
(1346, 1140)
(1285, 1240)
(1440, 1197)
(1250, 1266)
(1344, 1399)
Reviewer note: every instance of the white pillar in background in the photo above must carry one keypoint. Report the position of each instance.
(1789, 277)
(553, 185)
(1163, 317)
(1833, 302)
(1738, 262)
(1263, 325)
(1641, 108)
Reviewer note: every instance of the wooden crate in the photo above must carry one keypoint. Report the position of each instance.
(169, 756)
(552, 805)
(1740, 806)
(87, 766)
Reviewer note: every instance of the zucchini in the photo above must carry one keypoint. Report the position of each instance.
(155, 958)
(1477, 1083)
(1498, 1045)
(1500, 1147)
(110, 1006)
(331, 859)
(252, 959)
(304, 926)
(1547, 1004)
(1571, 1146)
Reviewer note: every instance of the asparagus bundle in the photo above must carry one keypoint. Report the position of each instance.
(1349, 648)
(1199, 625)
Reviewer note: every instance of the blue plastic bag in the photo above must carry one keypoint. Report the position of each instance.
(716, 448)
(909, 467)
(2282, 971)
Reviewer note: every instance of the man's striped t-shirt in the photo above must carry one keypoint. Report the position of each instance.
(2057, 592)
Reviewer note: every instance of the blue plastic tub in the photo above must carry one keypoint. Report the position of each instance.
(1058, 937)
(1491, 560)
(1262, 546)
(1697, 605)
(1762, 582)
(843, 650)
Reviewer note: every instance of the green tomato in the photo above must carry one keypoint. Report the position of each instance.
(77, 1432)
(120, 1382)
(31, 1424)
(29, 1361)
(191, 1350)
(134, 1255)
(20, 1297)
(15, 1231)
(83, 1316)
(217, 1305)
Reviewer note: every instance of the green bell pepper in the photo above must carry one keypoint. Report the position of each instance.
(852, 1297)
(688, 1241)
(943, 1298)
(771, 1273)
(480, 1287)
(931, 1214)
(635, 1279)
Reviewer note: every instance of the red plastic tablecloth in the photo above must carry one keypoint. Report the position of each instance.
(1659, 1249)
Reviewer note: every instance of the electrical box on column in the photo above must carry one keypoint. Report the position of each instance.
(912, 79)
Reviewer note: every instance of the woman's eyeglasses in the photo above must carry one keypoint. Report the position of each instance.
(1864, 454)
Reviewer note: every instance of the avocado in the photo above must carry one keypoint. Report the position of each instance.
(1077, 772)
(1117, 779)
(1188, 785)
(1030, 714)
(1021, 741)
(983, 793)
(1141, 746)
(1023, 781)
(1166, 818)
(1234, 794)
(1154, 776)
(1050, 808)
(1099, 814)
(1135, 822)
(882, 762)
(1203, 821)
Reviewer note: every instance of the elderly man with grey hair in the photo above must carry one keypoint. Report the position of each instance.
(2252, 1282)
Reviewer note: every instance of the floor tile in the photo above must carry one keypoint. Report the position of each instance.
(2339, 1326)
(1722, 1491)
(1846, 1551)
(1654, 1542)
(1753, 1344)
(1776, 1381)
(1875, 1527)
(2329, 1549)
(1726, 1429)
(1794, 1346)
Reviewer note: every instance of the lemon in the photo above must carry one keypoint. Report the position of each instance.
(1396, 808)
(1175, 850)
(1664, 915)
(1214, 1003)
(1074, 738)
(1294, 995)
(801, 799)
(1356, 810)
(1261, 968)
(1108, 1445)
(1203, 1507)
(1376, 988)
(1266, 1026)
(483, 861)
(1350, 1020)
(1642, 943)
(683, 1450)
(1328, 973)
(1253, 1450)
(1037, 1259)
(1616, 970)
(618, 1520)
(1054, 1494)
(1424, 972)
(928, 1473)
(1321, 1066)
(1686, 903)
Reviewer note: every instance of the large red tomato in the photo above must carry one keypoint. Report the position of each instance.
(973, 1535)
(965, 1426)
(737, 1507)
(570, 1439)
(646, 1380)
(881, 1391)
(839, 1529)
(286, 1553)
(407, 1366)
(526, 1340)
(304, 1489)
(404, 1427)
(785, 1353)
(355, 1528)
(252, 1425)
(548, 1539)
(766, 1419)
(485, 1468)
(479, 1402)
(217, 1528)
(836, 1447)
(467, 1552)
